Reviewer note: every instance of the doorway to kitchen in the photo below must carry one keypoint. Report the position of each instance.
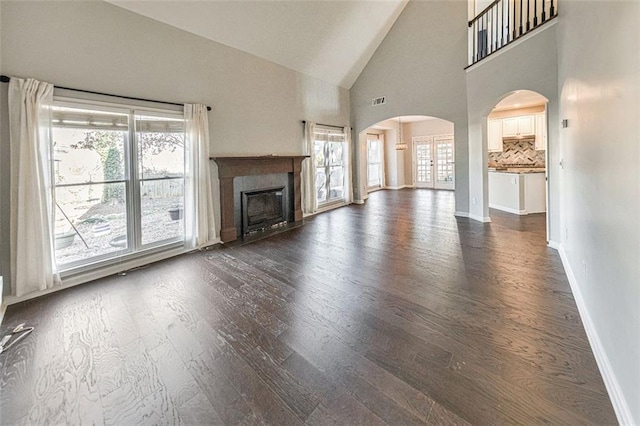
(433, 165)
(517, 154)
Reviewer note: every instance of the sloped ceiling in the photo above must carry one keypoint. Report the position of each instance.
(329, 40)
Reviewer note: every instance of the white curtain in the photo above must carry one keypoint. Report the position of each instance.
(348, 167)
(309, 200)
(199, 214)
(32, 254)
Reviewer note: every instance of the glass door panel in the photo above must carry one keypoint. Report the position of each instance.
(423, 164)
(445, 164)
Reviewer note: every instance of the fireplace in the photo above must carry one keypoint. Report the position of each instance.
(263, 209)
(256, 173)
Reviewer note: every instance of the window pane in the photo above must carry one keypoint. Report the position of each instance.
(87, 155)
(374, 154)
(99, 214)
(162, 207)
(336, 180)
(335, 153)
(318, 152)
(374, 174)
(160, 153)
(321, 185)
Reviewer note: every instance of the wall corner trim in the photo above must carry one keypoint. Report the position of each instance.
(461, 214)
(620, 405)
(485, 219)
(554, 245)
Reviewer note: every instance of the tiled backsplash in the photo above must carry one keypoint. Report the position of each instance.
(517, 151)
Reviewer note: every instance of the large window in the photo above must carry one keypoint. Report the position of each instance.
(374, 161)
(119, 181)
(329, 154)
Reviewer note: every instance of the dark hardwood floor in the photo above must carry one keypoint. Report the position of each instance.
(394, 312)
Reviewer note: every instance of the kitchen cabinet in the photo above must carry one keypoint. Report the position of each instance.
(541, 132)
(523, 125)
(495, 136)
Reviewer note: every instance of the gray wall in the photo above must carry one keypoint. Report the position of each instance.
(257, 105)
(599, 78)
(419, 67)
(530, 65)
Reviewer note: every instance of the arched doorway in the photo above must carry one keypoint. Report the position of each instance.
(412, 151)
(517, 154)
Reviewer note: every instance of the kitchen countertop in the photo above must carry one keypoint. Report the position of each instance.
(517, 170)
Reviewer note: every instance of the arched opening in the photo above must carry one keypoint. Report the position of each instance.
(411, 151)
(517, 154)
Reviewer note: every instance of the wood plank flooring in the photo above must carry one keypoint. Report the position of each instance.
(394, 312)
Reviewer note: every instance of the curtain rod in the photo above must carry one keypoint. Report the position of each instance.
(6, 79)
(326, 125)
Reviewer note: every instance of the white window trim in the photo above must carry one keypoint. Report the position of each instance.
(92, 268)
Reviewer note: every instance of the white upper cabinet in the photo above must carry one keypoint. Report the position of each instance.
(541, 131)
(518, 126)
(495, 136)
(526, 125)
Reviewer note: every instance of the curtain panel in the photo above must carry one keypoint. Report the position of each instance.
(33, 265)
(199, 216)
(348, 167)
(308, 187)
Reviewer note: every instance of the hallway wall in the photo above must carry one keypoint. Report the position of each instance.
(599, 86)
(419, 68)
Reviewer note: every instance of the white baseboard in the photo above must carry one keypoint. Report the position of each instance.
(398, 187)
(507, 209)
(485, 219)
(461, 214)
(620, 405)
(85, 277)
(358, 201)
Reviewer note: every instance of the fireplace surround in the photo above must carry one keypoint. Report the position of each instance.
(230, 168)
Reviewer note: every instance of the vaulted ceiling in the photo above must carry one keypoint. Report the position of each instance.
(329, 40)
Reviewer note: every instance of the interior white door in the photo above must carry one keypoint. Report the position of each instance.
(423, 162)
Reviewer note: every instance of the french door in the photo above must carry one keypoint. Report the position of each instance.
(119, 181)
(433, 162)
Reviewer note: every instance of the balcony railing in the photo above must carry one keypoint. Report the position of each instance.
(503, 22)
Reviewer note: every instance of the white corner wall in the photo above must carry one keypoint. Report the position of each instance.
(419, 67)
(599, 80)
(257, 105)
(528, 64)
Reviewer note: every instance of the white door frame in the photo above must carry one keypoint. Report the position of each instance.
(433, 141)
